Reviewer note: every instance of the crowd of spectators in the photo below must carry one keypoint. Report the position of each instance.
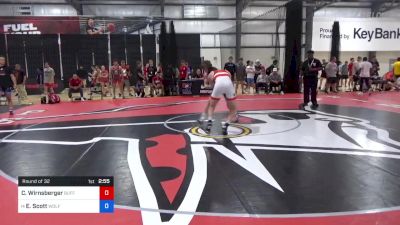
(148, 80)
(360, 74)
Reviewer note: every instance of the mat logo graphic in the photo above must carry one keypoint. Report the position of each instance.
(170, 170)
(346, 135)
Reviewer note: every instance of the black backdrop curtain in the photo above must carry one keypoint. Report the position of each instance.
(149, 48)
(335, 45)
(51, 53)
(2, 46)
(16, 49)
(293, 32)
(133, 52)
(117, 43)
(85, 50)
(69, 49)
(188, 48)
(34, 56)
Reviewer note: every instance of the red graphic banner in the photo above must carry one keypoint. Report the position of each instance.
(39, 25)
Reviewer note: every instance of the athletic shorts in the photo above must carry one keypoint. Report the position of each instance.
(250, 81)
(344, 77)
(49, 85)
(6, 90)
(117, 79)
(332, 80)
(223, 87)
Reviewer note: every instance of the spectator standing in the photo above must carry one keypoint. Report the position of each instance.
(357, 69)
(126, 74)
(48, 79)
(375, 67)
(323, 75)
(170, 79)
(375, 78)
(20, 77)
(183, 73)
(240, 75)
(7, 83)
(231, 67)
(140, 80)
(365, 74)
(117, 79)
(344, 79)
(75, 86)
(275, 81)
(103, 78)
(351, 74)
(331, 70)
(151, 73)
(250, 75)
(39, 76)
(310, 70)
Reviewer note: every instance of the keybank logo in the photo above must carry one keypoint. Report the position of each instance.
(377, 33)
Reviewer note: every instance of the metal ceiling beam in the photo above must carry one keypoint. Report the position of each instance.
(77, 6)
(394, 4)
(323, 4)
(162, 4)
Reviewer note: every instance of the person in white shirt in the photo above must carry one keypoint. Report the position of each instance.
(365, 74)
(356, 71)
(250, 73)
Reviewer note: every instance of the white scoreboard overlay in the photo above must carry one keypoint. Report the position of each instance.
(65, 195)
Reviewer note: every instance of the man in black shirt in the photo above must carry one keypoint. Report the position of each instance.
(272, 66)
(151, 73)
(310, 69)
(231, 67)
(7, 83)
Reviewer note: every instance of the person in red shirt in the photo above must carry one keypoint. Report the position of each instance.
(75, 86)
(183, 73)
(103, 78)
(352, 70)
(158, 85)
(183, 70)
(117, 79)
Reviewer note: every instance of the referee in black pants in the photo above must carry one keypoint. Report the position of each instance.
(310, 69)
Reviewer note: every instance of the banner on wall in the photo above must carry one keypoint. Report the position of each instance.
(102, 25)
(39, 25)
(73, 25)
(358, 34)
